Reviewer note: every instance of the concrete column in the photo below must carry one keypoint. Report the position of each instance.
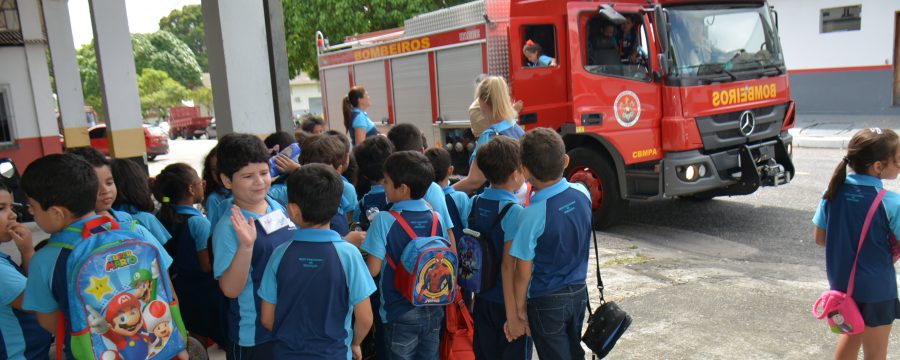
(39, 75)
(118, 81)
(65, 70)
(278, 66)
(236, 36)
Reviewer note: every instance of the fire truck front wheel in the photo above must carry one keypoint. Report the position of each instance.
(597, 173)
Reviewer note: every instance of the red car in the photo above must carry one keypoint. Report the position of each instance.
(155, 138)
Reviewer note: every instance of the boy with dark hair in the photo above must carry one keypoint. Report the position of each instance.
(330, 150)
(371, 155)
(407, 176)
(107, 193)
(552, 256)
(458, 202)
(61, 208)
(312, 124)
(242, 246)
(495, 214)
(407, 137)
(307, 326)
(348, 199)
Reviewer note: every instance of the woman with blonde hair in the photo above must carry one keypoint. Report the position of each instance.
(493, 99)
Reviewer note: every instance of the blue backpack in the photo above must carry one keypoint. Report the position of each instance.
(426, 274)
(121, 303)
(478, 266)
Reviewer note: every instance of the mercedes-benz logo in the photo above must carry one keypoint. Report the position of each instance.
(748, 123)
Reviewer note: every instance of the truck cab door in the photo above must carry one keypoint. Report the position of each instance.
(542, 88)
(613, 92)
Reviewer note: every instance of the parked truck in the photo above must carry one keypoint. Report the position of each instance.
(186, 122)
(654, 99)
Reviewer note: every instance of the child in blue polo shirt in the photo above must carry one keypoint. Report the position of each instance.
(349, 198)
(62, 194)
(242, 245)
(495, 213)
(457, 201)
(371, 155)
(133, 196)
(214, 194)
(407, 137)
(107, 193)
(276, 143)
(330, 150)
(412, 332)
(318, 261)
(551, 247)
(203, 306)
(21, 337)
(873, 155)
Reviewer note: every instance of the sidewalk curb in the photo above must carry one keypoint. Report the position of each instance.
(821, 142)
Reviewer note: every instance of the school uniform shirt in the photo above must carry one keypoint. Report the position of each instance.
(146, 220)
(124, 218)
(318, 262)
(489, 204)
(554, 233)
(458, 204)
(215, 203)
(348, 198)
(842, 219)
(505, 127)
(385, 238)
(199, 230)
(278, 192)
(21, 337)
(244, 327)
(373, 201)
(361, 121)
(435, 197)
(46, 287)
(543, 61)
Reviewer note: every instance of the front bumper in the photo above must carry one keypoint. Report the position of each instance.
(736, 171)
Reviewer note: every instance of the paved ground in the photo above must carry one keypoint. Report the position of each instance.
(723, 279)
(834, 131)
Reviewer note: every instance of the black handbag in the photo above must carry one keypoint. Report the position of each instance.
(608, 323)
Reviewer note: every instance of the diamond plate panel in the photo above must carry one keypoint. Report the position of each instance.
(446, 19)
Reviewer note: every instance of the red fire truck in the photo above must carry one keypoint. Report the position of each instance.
(654, 99)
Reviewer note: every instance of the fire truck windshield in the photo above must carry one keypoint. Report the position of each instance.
(723, 43)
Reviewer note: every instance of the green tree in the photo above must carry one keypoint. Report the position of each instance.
(202, 95)
(90, 79)
(163, 51)
(187, 24)
(159, 92)
(340, 18)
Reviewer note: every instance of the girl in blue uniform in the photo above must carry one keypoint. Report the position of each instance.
(214, 194)
(133, 196)
(533, 53)
(493, 98)
(356, 120)
(873, 155)
(178, 188)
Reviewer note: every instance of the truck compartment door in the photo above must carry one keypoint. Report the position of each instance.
(336, 82)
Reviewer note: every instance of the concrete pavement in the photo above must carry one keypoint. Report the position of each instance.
(833, 131)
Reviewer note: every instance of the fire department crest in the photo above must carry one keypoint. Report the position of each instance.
(627, 108)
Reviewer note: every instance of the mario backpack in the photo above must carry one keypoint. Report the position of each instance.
(426, 273)
(121, 303)
(478, 267)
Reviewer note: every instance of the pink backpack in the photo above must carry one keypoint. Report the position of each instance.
(840, 309)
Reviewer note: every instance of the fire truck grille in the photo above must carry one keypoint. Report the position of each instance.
(723, 131)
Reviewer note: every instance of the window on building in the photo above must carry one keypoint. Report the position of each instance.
(6, 116)
(539, 48)
(9, 15)
(845, 18)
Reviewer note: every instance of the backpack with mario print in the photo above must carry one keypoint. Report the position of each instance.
(426, 273)
(121, 303)
(478, 267)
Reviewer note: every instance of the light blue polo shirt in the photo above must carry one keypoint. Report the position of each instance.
(279, 193)
(463, 204)
(362, 121)
(554, 233)
(199, 226)
(349, 202)
(124, 218)
(435, 197)
(216, 204)
(148, 221)
(20, 335)
(489, 205)
(505, 127)
(380, 234)
(243, 317)
(305, 325)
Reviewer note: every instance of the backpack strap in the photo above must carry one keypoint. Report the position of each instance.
(99, 225)
(60, 334)
(409, 232)
(862, 237)
(502, 215)
(473, 211)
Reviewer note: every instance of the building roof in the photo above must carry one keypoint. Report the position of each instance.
(303, 79)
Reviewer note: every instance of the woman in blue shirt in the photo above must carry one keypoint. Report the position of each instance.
(873, 155)
(356, 120)
(493, 98)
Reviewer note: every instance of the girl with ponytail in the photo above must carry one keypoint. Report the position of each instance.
(873, 155)
(178, 188)
(356, 120)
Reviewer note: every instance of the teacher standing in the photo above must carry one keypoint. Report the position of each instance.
(356, 120)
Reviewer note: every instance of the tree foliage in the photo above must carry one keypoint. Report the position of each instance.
(163, 51)
(159, 92)
(340, 18)
(187, 25)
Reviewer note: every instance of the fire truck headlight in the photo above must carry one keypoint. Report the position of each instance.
(690, 173)
(790, 149)
(701, 171)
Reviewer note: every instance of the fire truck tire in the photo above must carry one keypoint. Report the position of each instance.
(598, 174)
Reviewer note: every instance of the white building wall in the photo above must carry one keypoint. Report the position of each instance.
(805, 48)
(14, 73)
(300, 95)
